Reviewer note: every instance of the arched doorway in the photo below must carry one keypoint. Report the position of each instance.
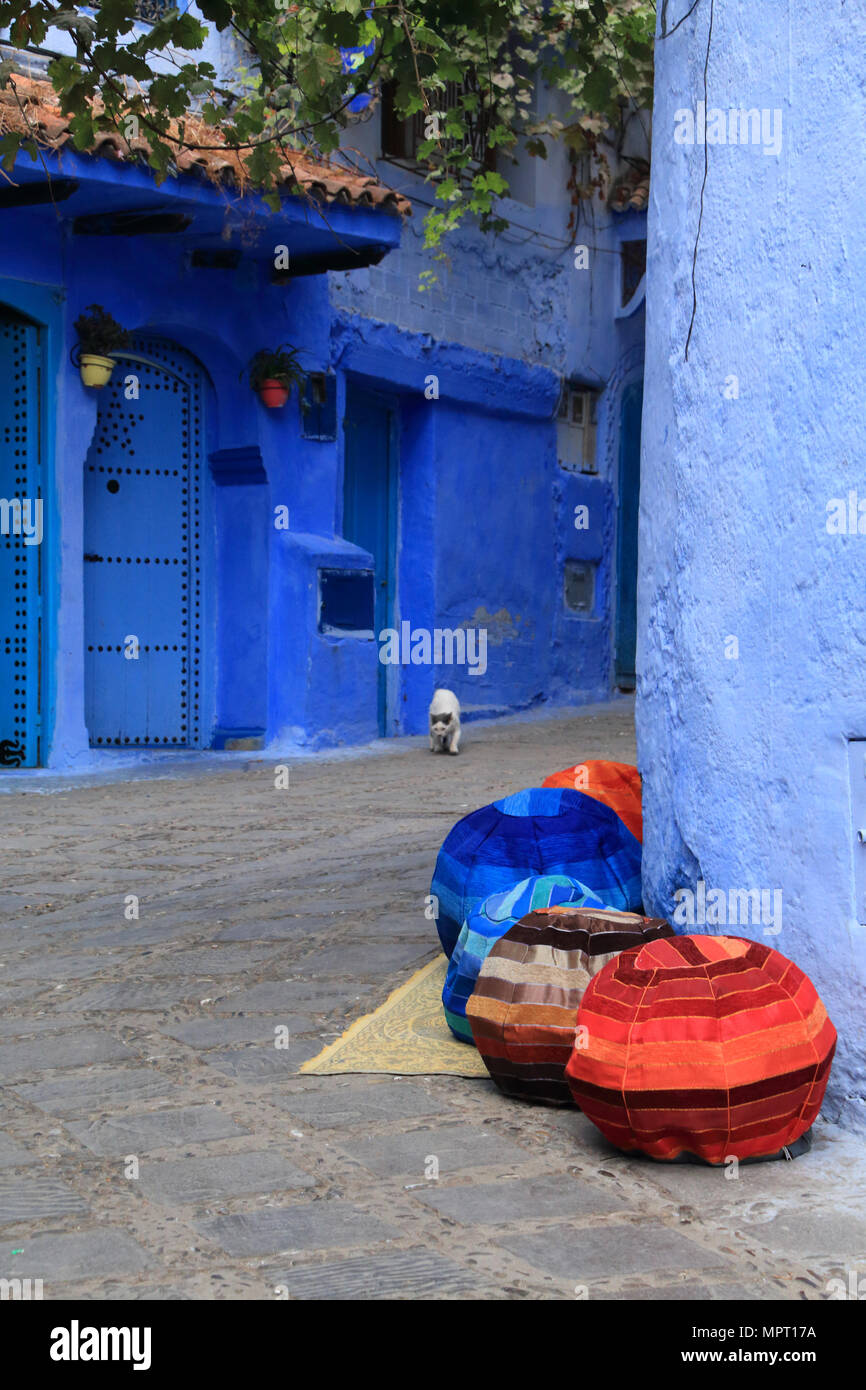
(21, 535)
(143, 484)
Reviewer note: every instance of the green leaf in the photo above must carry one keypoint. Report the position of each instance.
(598, 89)
(219, 12)
(575, 139)
(83, 130)
(413, 104)
(492, 181)
(423, 35)
(159, 158)
(9, 148)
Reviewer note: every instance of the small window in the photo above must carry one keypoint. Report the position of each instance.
(633, 255)
(401, 138)
(580, 587)
(319, 406)
(346, 603)
(576, 429)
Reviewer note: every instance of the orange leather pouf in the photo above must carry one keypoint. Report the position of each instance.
(709, 1045)
(616, 784)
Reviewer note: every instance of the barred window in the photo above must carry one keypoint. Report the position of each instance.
(401, 137)
(576, 425)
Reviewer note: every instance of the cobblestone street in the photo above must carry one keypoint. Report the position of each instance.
(153, 1040)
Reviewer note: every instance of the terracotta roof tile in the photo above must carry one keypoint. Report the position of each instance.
(631, 192)
(32, 109)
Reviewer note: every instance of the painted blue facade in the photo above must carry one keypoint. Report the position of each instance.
(509, 321)
(751, 660)
(454, 393)
(219, 318)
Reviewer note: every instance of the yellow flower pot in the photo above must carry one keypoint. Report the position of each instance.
(96, 371)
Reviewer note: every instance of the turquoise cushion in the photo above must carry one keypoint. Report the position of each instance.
(490, 920)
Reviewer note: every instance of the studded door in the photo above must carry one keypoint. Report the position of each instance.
(20, 542)
(142, 554)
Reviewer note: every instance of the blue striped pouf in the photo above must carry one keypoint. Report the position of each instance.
(539, 831)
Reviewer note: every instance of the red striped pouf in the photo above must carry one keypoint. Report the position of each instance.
(709, 1045)
(523, 1009)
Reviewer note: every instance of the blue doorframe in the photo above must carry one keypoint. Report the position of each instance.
(370, 516)
(627, 533)
(21, 509)
(40, 307)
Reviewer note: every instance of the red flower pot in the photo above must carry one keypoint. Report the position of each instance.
(273, 393)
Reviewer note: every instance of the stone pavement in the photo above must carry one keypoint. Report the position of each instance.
(155, 1144)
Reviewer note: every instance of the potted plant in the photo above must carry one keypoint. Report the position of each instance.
(273, 373)
(99, 335)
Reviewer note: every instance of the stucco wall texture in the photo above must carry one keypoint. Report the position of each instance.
(744, 753)
(491, 296)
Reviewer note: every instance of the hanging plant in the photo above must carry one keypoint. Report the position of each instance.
(273, 373)
(99, 335)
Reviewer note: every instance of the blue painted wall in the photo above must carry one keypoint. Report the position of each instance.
(486, 523)
(744, 759)
(499, 302)
(517, 294)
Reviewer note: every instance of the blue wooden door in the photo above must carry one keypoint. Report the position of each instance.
(21, 527)
(142, 554)
(370, 511)
(626, 566)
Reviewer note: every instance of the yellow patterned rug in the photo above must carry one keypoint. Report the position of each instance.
(405, 1036)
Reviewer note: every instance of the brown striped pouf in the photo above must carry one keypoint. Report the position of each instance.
(523, 1010)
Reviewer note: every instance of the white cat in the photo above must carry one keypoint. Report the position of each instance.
(444, 722)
